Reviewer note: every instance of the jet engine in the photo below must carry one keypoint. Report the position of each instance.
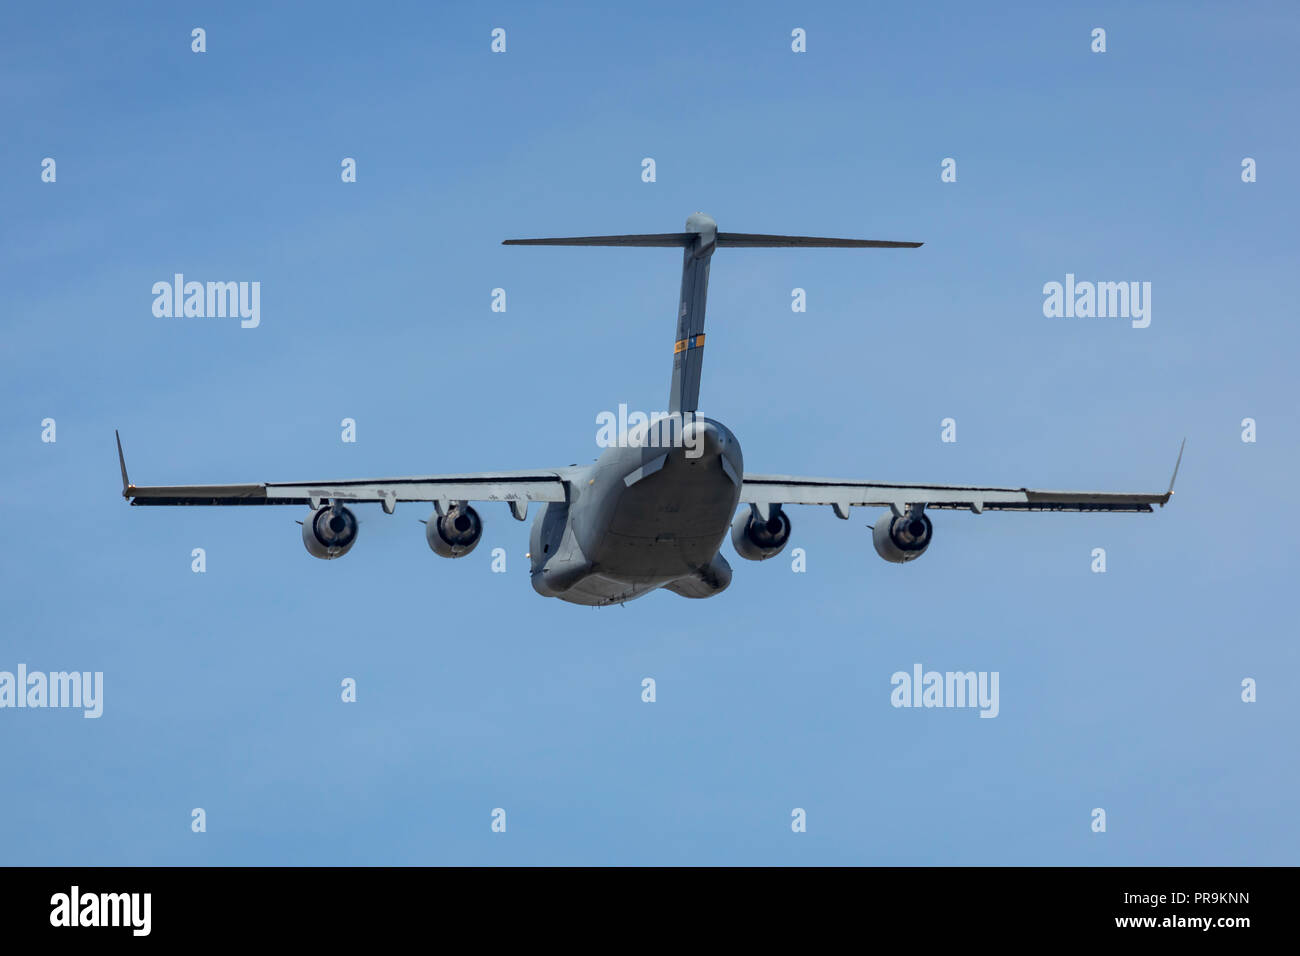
(756, 539)
(902, 538)
(329, 532)
(456, 533)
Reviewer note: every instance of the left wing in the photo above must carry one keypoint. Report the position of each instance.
(767, 490)
(515, 487)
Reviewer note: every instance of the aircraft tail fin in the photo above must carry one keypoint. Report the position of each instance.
(699, 241)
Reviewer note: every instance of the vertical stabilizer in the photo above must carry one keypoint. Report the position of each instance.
(698, 241)
(688, 347)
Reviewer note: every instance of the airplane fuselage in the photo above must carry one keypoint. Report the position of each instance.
(642, 518)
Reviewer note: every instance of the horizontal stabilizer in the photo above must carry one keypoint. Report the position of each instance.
(738, 239)
(678, 239)
(759, 241)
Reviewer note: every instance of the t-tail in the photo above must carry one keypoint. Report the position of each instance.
(699, 241)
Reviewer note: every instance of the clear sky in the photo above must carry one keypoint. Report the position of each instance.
(1119, 691)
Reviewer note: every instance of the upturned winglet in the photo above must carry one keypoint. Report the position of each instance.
(1170, 493)
(121, 460)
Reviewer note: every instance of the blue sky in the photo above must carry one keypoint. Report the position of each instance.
(1118, 690)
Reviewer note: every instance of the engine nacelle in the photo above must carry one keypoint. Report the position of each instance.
(454, 534)
(902, 538)
(756, 539)
(329, 532)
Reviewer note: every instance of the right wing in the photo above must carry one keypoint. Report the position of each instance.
(765, 491)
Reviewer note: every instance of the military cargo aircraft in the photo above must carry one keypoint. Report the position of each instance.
(652, 511)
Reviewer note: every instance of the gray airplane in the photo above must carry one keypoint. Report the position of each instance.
(653, 510)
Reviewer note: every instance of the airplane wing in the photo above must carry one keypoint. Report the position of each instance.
(515, 487)
(767, 490)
